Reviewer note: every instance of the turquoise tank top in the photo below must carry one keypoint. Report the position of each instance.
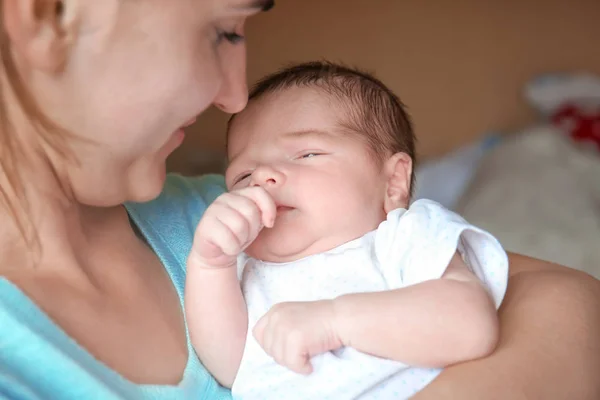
(38, 360)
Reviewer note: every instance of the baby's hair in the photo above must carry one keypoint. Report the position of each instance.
(372, 111)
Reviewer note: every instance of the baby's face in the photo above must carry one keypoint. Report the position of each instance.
(327, 186)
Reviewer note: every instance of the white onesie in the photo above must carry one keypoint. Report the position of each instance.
(410, 247)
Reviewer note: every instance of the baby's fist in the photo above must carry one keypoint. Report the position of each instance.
(229, 225)
(294, 332)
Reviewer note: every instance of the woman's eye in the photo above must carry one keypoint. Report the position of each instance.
(231, 37)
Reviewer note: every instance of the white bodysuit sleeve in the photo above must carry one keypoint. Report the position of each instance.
(242, 259)
(416, 245)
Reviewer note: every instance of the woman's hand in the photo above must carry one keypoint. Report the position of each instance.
(294, 332)
(229, 225)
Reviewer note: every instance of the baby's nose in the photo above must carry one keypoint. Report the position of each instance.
(266, 176)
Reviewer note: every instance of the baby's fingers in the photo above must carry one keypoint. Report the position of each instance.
(225, 231)
(238, 224)
(259, 329)
(264, 201)
(246, 208)
(287, 348)
(296, 358)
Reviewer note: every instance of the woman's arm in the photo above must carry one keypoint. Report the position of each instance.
(549, 341)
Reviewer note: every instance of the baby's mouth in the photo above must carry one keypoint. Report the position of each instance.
(283, 209)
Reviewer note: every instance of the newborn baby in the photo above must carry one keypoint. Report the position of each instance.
(313, 278)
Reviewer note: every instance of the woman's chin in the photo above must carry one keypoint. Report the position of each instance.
(147, 186)
(175, 140)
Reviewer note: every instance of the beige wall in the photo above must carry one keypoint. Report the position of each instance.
(459, 65)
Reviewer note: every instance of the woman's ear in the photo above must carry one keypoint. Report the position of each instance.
(398, 170)
(39, 31)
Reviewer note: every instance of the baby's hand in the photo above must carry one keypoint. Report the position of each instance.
(294, 332)
(229, 225)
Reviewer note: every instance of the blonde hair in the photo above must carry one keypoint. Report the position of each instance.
(12, 194)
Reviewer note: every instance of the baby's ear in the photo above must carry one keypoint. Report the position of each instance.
(397, 170)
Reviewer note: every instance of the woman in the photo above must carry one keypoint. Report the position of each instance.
(94, 96)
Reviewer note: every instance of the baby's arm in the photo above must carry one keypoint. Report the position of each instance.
(430, 324)
(217, 319)
(215, 308)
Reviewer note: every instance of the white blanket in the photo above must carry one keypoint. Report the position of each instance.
(540, 196)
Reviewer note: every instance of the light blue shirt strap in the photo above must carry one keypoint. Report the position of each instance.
(169, 222)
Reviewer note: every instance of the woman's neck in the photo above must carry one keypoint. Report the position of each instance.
(35, 217)
(41, 225)
(72, 242)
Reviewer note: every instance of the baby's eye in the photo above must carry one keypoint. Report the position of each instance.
(241, 178)
(309, 155)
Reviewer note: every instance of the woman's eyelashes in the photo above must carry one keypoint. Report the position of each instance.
(231, 37)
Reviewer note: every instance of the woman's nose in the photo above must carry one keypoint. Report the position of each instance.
(233, 94)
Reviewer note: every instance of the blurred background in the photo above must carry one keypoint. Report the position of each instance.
(505, 97)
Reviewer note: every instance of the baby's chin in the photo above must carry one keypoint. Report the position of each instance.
(281, 250)
(276, 254)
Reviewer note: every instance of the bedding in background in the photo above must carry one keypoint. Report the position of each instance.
(539, 194)
(547, 93)
(538, 190)
(445, 179)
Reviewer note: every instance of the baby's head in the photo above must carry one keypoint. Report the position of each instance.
(332, 145)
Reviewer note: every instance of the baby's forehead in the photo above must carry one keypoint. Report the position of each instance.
(286, 110)
(293, 102)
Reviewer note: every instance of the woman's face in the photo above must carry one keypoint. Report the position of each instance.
(135, 73)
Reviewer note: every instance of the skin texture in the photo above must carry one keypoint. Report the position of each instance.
(295, 181)
(89, 70)
(290, 144)
(122, 77)
(548, 349)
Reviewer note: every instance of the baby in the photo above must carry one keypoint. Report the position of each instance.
(313, 278)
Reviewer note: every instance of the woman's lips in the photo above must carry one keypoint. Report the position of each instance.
(190, 122)
(176, 139)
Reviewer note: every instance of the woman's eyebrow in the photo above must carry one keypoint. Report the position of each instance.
(262, 5)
